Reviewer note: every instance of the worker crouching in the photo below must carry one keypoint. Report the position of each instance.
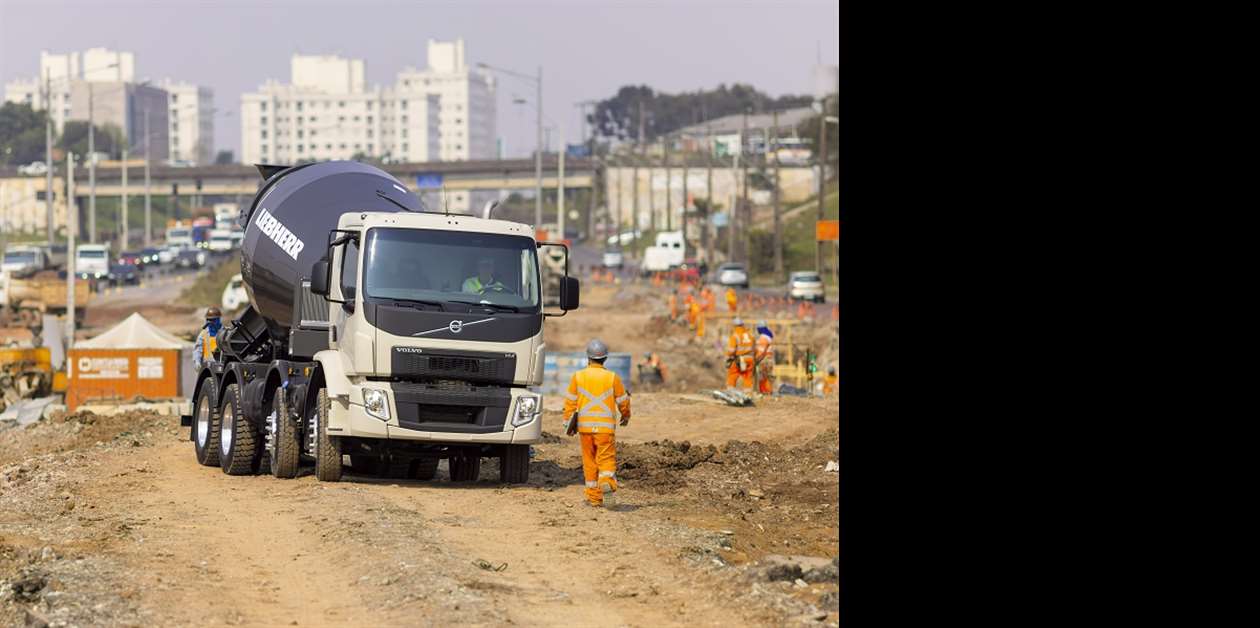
(589, 405)
(739, 357)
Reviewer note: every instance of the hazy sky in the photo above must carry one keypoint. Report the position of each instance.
(587, 49)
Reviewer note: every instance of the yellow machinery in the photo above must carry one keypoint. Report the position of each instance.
(26, 373)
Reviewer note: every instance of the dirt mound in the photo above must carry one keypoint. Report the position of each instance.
(658, 464)
(62, 432)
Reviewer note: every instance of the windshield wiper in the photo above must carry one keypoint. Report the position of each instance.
(506, 308)
(399, 301)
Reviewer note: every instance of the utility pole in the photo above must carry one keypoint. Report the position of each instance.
(617, 218)
(730, 219)
(122, 206)
(48, 181)
(778, 209)
(669, 190)
(634, 202)
(822, 178)
(148, 207)
(685, 202)
(744, 209)
(91, 166)
(560, 186)
(708, 192)
(538, 189)
(72, 225)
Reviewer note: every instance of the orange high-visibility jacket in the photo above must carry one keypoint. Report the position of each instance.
(739, 344)
(592, 393)
(765, 348)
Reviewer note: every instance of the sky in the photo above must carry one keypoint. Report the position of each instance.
(586, 49)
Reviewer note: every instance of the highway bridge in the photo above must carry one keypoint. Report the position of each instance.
(237, 179)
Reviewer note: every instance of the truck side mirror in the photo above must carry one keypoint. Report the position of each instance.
(319, 278)
(569, 292)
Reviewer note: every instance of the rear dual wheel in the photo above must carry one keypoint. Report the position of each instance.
(239, 450)
(206, 426)
(282, 439)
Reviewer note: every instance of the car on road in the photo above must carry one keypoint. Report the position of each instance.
(220, 241)
(91, 261)
(165, 255)
(33, 169)
(135, 258)
(806, 285)
(732, 274)
(190, 258)
(613, 259)
(151, 255)
(22, 261)
(124, 275)
(234, 295)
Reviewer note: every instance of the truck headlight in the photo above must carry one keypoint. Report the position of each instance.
(376, 403)
(527, 409)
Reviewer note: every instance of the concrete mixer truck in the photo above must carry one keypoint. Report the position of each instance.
(376, 330)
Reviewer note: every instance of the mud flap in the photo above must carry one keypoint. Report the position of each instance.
(185, 420)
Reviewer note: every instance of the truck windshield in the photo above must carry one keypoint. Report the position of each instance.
(451, 266)
(94, 254)
(19, 257)
(175, 234)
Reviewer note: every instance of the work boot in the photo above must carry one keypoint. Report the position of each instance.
(610, 497)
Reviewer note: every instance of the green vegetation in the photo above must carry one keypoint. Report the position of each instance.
(618, 117)
(207, 290)
(799, 245)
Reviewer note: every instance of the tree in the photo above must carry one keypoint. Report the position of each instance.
(74, 138)
(808, 128)
(618, 117)
(224, 157)
(21, 134)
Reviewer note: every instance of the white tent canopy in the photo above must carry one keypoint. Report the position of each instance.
(133, 333)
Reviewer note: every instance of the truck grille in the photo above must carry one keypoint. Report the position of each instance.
(469, 366)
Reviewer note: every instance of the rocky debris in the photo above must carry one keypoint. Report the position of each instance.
(798, 569)
(660, 463)
(829, 601)
(28, 587)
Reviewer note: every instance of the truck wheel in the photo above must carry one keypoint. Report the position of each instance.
(424, 468)
(282, 439)
(514, 464)
(239, 453)
(465, 467)
(206, 426)
(327, 448)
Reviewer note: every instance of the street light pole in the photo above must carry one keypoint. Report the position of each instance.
(560, 186)
(148, 208)
(122, 206)
(91, 165)
(538, 157)
(72, 225)
(48, 182)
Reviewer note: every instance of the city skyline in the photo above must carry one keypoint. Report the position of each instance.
(236, 50)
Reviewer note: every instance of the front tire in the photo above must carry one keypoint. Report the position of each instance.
(424, 468)
(514, 464)
(327, 448)
(465, 467)
(282, 441)
(206, 426)
(239, 453)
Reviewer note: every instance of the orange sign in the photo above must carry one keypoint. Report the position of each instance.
(828, 230)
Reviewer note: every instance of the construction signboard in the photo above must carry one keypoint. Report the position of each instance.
(828, 230)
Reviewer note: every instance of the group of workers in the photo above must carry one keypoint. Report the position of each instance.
(748, 357)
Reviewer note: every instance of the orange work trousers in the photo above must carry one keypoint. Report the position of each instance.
(599, 464)
(741, 368)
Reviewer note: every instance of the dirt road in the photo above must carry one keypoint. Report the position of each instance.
(122, 527)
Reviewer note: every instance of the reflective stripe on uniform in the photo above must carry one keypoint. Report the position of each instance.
(595, 406)
(570, 397)
(592, 484)
(608, 426)
(608, 474)
(623, 398)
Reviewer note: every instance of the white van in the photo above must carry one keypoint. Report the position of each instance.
(91, 261)
(220, 241)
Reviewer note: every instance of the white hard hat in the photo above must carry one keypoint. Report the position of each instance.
(596, 349)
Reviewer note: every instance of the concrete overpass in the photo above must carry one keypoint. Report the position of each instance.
(235, 179)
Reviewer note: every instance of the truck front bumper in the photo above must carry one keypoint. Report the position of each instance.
(491, 423)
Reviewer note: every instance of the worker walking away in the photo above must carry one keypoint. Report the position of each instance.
(831, 383)
(763, 355)
(709, 300)
(731, 300)
(673, 306)
(690, 302)
(739, 356)
(697, 313)
(588, 404)
(207, 339)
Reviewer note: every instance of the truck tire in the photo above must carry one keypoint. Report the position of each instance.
(395, 467)
(465, 467)
(424, 468)
(239, 451)
(205, 426)
(514, 464)
(282, 439)
(327, 448)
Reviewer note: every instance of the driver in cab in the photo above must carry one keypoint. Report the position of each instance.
(484, 281)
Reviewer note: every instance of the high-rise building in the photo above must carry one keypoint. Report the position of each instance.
(445, 112)
(180, 115)
(191, 122)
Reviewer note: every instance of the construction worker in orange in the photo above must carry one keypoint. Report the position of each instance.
(731, 300)
(589, 405)
(831, 383)
(696, 313)
(739, 356)
(763, 356)
(689, 301)
(673, 306)
(710, 301)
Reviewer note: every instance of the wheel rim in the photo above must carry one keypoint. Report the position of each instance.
(203, 421)
(225, 430)
(271, 435)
